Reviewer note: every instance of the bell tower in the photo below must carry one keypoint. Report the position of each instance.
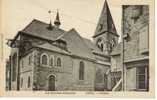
(105, 37)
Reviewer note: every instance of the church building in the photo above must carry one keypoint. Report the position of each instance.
(47, 58)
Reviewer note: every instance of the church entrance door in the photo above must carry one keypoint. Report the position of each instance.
(51, 83)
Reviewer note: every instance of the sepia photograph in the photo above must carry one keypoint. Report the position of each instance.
(78, 45)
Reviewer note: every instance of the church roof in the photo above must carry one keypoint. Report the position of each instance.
(76, 44)
(93, 47)
(105, 23)
(49, 46)
(40, 29)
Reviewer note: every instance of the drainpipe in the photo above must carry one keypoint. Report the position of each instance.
(10, 72)
(123, 49)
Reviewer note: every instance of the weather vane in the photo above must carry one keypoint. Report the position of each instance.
(50, 14)
(50, 24)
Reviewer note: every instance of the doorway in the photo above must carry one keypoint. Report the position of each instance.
(51, 83)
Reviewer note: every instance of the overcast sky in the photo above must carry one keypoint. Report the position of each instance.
(79, 14)
(82, 15)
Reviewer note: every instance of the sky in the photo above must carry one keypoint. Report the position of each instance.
(82, 15)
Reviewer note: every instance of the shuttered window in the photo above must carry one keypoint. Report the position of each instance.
(141, 76)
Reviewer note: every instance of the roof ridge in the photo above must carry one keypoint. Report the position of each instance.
(66, 32)
(34, 20)
(39, 21)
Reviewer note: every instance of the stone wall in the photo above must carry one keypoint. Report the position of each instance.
(101, 77)
(89, 75)
(67, 76)
(116, 63)
(138, 31)
(14, 83)
(26, 71)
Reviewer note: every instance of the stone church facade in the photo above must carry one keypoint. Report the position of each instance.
(45, 57)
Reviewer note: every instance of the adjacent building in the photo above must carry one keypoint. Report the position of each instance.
(132, 55)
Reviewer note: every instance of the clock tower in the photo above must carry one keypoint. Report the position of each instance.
(105, 37)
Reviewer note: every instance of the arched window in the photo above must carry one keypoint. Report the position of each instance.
(102, 47)
(29, 82)
(14, 59)
(44, 59)
(81, 71)
(100, 44)
(51, 61)
(59, 62)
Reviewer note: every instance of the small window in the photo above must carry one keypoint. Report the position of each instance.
(81, 71)
(44, 60)
(102, 47)
(29, 82)
(29, 61)
(59, 62)
(141, 78)
(100, 44)
(51, 61)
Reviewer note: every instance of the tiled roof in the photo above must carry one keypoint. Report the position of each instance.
(105, 23)
(76, 44)
(40, 29)
(49, 46)
(92, 46)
